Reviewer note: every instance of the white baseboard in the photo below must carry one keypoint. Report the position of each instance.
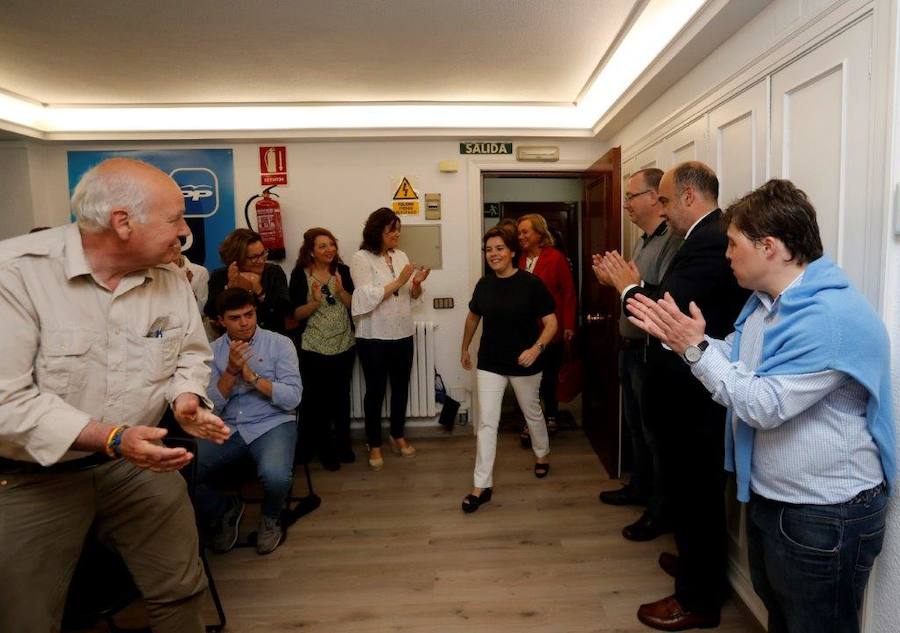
(743, 587)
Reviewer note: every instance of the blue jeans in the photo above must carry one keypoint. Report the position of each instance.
(273, 453)
(810, 563)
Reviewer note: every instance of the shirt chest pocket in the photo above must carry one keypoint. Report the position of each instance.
(157, 356)
(63, 364)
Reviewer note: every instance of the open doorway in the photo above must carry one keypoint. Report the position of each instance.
(584, 205)
(557, 196)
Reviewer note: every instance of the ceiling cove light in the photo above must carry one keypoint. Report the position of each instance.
(655, 28)
(659, 22)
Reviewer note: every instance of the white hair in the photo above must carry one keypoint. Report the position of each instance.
(101, 190)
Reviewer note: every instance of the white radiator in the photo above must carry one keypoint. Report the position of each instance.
(421, 402)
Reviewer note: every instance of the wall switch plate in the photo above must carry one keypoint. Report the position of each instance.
(442, 303)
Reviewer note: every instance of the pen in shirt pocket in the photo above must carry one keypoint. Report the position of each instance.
(156, 328)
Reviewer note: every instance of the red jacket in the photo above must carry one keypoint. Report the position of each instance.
(553, 269)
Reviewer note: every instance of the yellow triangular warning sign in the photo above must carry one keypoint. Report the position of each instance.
(405, 191)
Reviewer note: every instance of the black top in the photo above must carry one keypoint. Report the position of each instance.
(511, 309)
(299, 288)
(275, 305)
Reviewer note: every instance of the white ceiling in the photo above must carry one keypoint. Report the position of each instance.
(301, 51)
(167, 69)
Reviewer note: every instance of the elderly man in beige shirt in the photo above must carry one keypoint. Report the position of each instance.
(101, 336)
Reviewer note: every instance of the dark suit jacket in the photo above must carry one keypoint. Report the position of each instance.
(272, 309)
(699, 272)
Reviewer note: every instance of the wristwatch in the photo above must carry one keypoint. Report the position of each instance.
(692, 353)
(255, 380)
(540, 347)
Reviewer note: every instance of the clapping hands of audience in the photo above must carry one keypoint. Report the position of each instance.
(664, 320)
(612, 270)
(242, 279)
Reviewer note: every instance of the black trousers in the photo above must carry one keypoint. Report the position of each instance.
(689, 428)
(381, 361)
(553, 358)
(325, 419)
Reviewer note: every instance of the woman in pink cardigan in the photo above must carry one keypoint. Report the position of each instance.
(540, 258)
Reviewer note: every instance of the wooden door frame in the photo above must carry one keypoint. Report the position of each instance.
(475, 219)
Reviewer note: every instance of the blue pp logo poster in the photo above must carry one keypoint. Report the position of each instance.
(206, 178)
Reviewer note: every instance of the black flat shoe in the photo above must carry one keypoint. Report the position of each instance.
(541, 470)
(472, 503)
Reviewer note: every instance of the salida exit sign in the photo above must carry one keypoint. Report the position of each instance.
(489, 147)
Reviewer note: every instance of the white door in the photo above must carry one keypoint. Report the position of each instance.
(820, 141)
(738, 132)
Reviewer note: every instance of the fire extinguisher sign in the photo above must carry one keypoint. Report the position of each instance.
(273, 165)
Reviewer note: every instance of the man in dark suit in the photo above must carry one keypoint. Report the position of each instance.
(689, 425)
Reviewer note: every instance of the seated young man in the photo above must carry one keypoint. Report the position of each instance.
(255, 387)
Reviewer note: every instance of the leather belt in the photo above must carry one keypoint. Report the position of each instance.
(867, 495)
(16, 467)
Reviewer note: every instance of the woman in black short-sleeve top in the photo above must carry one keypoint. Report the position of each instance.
(519, 322)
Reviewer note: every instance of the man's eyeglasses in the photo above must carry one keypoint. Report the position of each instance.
(631, 196)
(326, 292)
(258, 257)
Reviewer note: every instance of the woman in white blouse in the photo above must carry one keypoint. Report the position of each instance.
(385, 283)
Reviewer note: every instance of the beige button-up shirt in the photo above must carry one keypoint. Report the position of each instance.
(72, 351)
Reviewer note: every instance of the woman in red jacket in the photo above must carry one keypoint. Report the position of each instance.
(539, 257)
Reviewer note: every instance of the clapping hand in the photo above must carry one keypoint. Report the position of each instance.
(405, 274)
(421, 275)
(238, 354)
(600, 271)
(666, 322)
(316, 291)
(614, 271)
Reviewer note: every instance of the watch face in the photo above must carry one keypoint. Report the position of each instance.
(692, 354)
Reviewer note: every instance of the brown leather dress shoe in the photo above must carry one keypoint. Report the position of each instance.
(668, 615)
(670, 563)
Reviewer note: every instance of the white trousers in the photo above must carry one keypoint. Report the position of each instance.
(490, 398)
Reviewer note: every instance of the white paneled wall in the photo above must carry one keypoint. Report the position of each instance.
(820, 110)
(739, 131)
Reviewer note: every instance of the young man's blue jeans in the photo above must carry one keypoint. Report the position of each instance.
(273, 453)
(810, 563)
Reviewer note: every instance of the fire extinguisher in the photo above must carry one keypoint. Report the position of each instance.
(268, 222)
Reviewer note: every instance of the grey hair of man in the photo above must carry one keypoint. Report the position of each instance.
(651, 176)
(699, 177)
(108, 186)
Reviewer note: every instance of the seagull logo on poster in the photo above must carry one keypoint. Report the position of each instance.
(200, 188)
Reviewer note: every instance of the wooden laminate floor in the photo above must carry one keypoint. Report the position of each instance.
(391, 551)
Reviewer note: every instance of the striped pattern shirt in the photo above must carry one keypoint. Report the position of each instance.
(811, 445)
